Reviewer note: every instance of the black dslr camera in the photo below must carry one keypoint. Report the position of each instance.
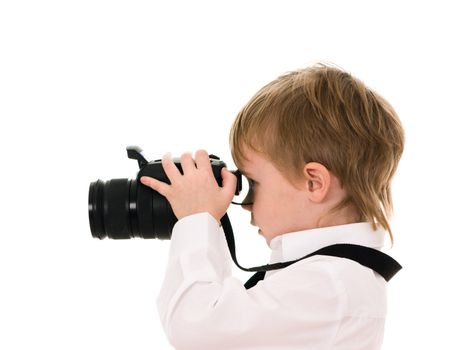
(125, 208)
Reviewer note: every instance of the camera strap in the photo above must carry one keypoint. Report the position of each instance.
(378, 261)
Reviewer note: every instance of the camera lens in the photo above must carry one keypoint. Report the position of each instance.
(96, 209)
(109, 209)
(122, 209)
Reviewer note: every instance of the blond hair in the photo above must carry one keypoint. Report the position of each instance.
(323, 114)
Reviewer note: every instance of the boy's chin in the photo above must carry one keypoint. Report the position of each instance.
(268, 240)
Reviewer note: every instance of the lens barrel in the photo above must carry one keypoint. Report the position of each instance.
(96, 209)
(124, 209)
(109, 209)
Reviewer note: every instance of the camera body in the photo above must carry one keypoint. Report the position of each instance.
(125, 208)
(155, 169)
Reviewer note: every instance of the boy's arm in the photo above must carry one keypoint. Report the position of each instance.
(195, 257)
(202, 307)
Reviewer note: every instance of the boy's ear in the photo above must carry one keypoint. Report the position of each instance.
(317, 181)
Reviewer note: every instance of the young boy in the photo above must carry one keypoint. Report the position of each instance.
(321, 150)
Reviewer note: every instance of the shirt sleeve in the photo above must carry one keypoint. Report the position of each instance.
(201, 306)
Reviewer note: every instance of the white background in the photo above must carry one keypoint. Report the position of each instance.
(81, 80)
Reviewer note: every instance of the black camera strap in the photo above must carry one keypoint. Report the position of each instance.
(378, 261)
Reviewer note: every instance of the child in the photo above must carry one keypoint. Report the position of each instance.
(321, 150)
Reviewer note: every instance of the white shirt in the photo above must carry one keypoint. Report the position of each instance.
(321, 302)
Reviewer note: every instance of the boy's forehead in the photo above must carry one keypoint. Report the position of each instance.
(246, 167)
(249, 156)
(253, 162)
(248, 160)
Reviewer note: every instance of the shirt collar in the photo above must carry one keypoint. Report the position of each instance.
(295, 245)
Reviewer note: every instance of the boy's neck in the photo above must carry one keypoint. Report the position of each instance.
(345, 216)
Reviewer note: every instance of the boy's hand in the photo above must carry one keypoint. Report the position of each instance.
(197, 190)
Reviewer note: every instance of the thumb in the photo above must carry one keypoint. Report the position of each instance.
(229, 182)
